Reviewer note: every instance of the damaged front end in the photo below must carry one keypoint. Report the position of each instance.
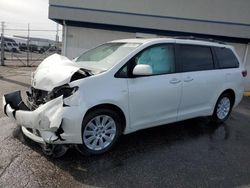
(42, 124)
(42, 118)
(36, 97)
(51, 114)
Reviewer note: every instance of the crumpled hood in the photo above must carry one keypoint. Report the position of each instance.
(54, 71)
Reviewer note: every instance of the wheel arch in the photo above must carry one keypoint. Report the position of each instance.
(111, 107)
(231, 93)
(232, 96)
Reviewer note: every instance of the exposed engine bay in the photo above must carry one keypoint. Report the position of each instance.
(37, 97)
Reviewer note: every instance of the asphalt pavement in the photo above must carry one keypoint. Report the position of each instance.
(193, 153)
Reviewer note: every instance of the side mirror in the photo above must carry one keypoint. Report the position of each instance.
(142, 70)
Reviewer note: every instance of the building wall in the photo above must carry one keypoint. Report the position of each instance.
(141, 20)
(81, 39)
(213, 10)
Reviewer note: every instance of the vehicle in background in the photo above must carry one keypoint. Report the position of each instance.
(23, 47)
(33, 48)
(15, 47)
(11, 46)
(42, 49)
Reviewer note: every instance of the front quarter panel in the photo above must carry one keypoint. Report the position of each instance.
(104, 89)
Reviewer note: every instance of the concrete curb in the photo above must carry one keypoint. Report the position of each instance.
(247, 94)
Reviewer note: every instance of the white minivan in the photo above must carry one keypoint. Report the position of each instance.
(123, 86)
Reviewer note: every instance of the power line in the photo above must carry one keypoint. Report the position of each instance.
(31, 30)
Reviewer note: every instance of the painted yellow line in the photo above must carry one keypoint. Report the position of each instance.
(247, 93)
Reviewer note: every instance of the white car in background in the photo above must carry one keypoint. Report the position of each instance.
(15, 47)
(123, 86)
(11, 46)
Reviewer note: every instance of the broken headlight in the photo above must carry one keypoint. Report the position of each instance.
(64, 90)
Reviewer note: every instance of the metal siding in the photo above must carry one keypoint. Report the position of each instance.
(215, 10)
(161, 23)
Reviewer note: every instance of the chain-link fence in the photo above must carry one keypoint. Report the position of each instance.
(28, 45)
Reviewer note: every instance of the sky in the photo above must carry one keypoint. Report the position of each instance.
(17, 14)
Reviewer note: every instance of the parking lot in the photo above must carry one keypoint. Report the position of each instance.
(193, 153)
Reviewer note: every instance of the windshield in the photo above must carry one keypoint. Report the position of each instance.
(105, 56)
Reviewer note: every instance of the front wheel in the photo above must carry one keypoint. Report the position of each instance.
(222, 108)
(100, 131)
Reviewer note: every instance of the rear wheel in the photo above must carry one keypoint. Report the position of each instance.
(100, 131)
(222, 108)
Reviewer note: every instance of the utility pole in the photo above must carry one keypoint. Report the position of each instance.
(64, 38)
(57, 38)
(28, 45)
(2, 45)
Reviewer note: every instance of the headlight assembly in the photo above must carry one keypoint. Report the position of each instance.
(64, 90)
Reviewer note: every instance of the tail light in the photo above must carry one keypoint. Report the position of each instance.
(244, 73)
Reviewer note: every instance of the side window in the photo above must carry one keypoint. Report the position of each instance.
(195, 58)
(123, 73)
(160, 58)
(226, 58)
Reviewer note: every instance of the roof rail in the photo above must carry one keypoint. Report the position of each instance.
(197, 38)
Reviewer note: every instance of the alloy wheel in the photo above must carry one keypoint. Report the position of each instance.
(99, 132)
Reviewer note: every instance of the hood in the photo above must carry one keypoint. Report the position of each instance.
(54, 71)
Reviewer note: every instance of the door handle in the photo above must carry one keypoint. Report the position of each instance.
(174, 81)
(188, 79)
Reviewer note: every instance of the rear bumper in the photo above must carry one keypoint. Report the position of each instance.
(45, 121)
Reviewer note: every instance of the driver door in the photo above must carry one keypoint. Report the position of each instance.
(154, 99)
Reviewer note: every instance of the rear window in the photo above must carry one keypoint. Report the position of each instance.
(226, 58)
(195, 58)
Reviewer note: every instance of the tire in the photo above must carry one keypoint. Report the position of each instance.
(222, 108)
(100, 131)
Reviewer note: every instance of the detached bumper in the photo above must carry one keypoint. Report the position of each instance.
(42, 125)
